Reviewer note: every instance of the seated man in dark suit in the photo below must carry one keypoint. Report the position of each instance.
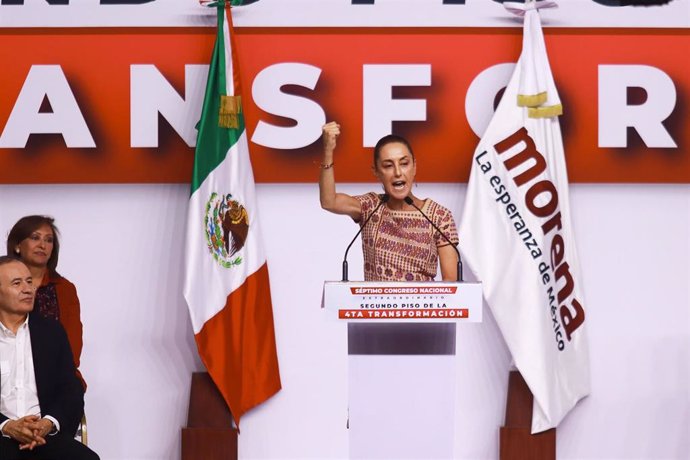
(41, 398)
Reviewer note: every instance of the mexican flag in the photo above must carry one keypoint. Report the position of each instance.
(517, 236)
(226, 281)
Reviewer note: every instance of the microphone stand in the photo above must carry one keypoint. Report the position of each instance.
(410, 201)
(384, 199)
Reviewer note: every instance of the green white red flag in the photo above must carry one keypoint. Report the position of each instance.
(226, 282)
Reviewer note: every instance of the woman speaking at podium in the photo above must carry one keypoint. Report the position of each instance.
(398, 241)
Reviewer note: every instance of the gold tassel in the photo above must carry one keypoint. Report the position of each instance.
(545, 112)
(230, 109)
(531, 100)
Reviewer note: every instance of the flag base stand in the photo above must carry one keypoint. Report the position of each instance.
(516, 441)
(209, 433)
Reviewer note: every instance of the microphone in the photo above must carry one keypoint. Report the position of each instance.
(384, 198)
(409, 201)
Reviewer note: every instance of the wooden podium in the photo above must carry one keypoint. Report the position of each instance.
(209, 434)
(516, 440)
(402, 363)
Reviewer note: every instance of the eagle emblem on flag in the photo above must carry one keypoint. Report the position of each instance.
(227, 226)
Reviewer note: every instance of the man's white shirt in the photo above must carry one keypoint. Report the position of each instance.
(18, 393)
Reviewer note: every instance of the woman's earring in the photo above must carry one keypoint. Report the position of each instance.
(16, 251)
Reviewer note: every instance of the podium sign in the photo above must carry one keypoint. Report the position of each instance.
(375, 301)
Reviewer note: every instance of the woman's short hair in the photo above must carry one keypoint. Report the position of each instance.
(24, 228)
(390, 139)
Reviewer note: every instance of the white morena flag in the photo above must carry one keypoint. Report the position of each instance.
(226, 281)
(517, 237)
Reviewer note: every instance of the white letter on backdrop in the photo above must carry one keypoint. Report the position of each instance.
(46, 82)
(152, 94)
(308, 114)
(380, 109)
(615, 115)
(479, 102)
